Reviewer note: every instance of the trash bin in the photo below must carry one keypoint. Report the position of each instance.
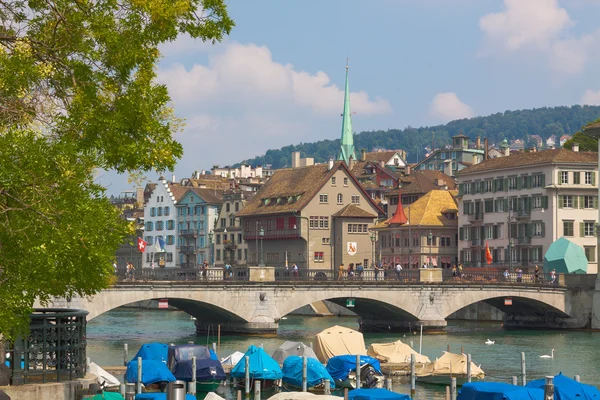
(176, 390)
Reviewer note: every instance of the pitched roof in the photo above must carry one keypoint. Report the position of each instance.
(177, 190)
(353, 211)
(209, 182)
(427, 211)
(399, 216)
(594, 125)
(424, 181)
(377, 156)
(533, 158)
(211, 196)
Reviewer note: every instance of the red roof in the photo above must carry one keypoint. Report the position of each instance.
(399, 216)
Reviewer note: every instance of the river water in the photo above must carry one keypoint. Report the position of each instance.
(576, 353)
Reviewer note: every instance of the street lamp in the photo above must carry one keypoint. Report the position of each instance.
(373, 237)
(210, 247)
(511, 245)
(261, 233)
(430, 238)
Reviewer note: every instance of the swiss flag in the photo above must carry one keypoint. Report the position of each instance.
(142, 244)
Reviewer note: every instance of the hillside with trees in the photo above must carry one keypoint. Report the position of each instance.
(520, 124)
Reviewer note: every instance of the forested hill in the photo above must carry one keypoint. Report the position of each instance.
(510, 124)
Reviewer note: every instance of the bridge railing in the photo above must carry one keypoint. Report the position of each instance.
(183, 274)
(497, 276)
(368, 275)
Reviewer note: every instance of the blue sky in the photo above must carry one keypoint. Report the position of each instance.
(278, 78)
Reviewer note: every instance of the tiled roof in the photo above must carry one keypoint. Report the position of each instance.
(289, 189)
(594, 125)
(423, 181)
(427, 211)
(534, 158)
(177, 190)
(399, 216)
(210, 182)
(353, 211)
(377, 156)
(211, 196)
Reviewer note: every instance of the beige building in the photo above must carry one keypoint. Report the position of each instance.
(529, 199)
(422, 233)
(315, 216)
(229, 244)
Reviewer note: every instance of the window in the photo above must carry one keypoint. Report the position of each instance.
(325, 240)
(160, 225)
(588, 201)
(588, 228)
(576, 178)
(567, 201)
(218, 239)
(279, 224)
(564, 177)
(536, 254)
(355, 199)
(223, 222)
(466, 188)
(323, 222)
(237, 207)
(512, 183)
(357, 228)
(167, 211)
(159, 211)
(218, 255)
(239, 239)
(345, 181)
(318, 222)
(538, 229)
(340, 198)
(590, 253)
(153, 212)
(537, 180)
(292, 223)
(489, 205)
(588, 178)
(149, 226)
(170, 224)
(170, 239)
(227, 207)
(333, 181)
(149, 240)
(323, 198)
(318, 256)
(567, 228)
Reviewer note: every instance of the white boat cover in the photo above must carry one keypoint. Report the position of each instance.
(396, 353)
(102, 376)
(232, 359)
(213, 396)
(450, 363)
(338, 341)
(301, 396)
(292, 349)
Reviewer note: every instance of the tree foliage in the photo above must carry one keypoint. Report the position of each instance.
(586, 143)
(519, 124)
(78, 92)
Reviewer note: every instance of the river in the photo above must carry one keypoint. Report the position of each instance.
(576, 352)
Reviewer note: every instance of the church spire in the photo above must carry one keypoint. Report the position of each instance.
(399, 216)
(347, 142)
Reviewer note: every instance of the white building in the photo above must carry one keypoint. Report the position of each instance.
(529, 199)
(243, 171)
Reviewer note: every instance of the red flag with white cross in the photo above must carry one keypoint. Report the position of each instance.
(142, 244)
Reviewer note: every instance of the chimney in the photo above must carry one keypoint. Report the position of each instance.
(448, 167)
(534, 149)
(363, 155)
(382, 163)
(350, 163)
(507, 151)
(330, 164)
(295, 159)
(575, 146)
(407, 170)
(173, 178)
(486, 154)
(139, 194)
(478, 143)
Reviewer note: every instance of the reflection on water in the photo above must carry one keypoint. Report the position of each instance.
(575, 352)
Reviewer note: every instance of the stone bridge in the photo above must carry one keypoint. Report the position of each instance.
(257, 307)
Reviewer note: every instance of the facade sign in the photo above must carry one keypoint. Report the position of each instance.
(351, 248)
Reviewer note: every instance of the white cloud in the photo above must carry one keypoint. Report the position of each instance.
(447, 107)
(524, 23)
(247, 75)
(591, 98)
(537, 26)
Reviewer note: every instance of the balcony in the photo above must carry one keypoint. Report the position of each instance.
(524, 240)
(523, 214)
(477, 217)
(188, 233)
(476, 242)
(273, 234)
(187, 249)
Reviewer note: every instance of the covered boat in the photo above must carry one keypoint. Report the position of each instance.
(396, 353)
(446, 367)
(316, 374)
(262, 367)
(376, 394)
(566, 388)
(337, 341)
(155, 374)
(302, 396)
(159, 396)
(103, 378)
(292, 349)
(498, 391)
(153, 351)
(343, 371)
(209, 372)
(232, 359)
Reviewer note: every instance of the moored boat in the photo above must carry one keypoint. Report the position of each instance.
(338, 341)
(316, 374)
(343, 371)
(448, 366)
(209, 372)
(292, 349)
(261, 367)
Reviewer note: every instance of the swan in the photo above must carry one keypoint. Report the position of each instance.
(490, 341)
(547, 356)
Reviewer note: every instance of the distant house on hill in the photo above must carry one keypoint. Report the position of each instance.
(563, 139)
(451, 161)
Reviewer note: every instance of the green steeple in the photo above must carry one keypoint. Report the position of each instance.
(347, 142)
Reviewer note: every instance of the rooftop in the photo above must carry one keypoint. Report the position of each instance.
(429, 210)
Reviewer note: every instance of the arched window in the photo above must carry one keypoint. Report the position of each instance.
(340, 198)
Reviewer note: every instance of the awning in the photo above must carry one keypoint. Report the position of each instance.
(433, 261)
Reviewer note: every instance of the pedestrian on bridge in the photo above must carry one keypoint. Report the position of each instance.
(340, 271)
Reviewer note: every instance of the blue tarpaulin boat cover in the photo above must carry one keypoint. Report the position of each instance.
(498, 391)
(262, 366)
(182, 352)
(374, 394)
(206, 369)
(153, 351)
(315, 372)
(340, 366)
(566, 388)
(159, 396)
(152, 371)
(213, 355)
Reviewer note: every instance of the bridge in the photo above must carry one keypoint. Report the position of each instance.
(254, 300)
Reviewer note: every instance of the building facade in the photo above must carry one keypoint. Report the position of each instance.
(522, 203)
(452, 160)
(229, 244)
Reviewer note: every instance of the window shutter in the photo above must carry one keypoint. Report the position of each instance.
(575, 202)
(593, 179)
(543, 180)
(506, 184)
(545, 202)
(581, 202)
(518, 182)
(560, 177)
(529, 229)
(505, 205)
(543, 229)
(461, 232)
(596, 202)
(560, 201)
(529, 182)
(581, 229)
(460, 189)
(494, 186)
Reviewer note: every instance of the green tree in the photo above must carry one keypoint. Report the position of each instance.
(586, 143)
(78, 92)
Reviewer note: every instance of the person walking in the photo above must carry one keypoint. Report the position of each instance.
(340, 271)
(459, 272)
(351, 271)
(398, 270)
(454, 271)
(376, 268)
(553, 276)
(295, 270)
(130, 271)
(536, 274)
(519, 275)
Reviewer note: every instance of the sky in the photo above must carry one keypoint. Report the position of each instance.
(278, 78)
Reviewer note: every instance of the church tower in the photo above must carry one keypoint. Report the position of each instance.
(347, 141)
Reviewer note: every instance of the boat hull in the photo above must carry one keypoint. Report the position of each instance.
(207, 386)
(444, 379)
